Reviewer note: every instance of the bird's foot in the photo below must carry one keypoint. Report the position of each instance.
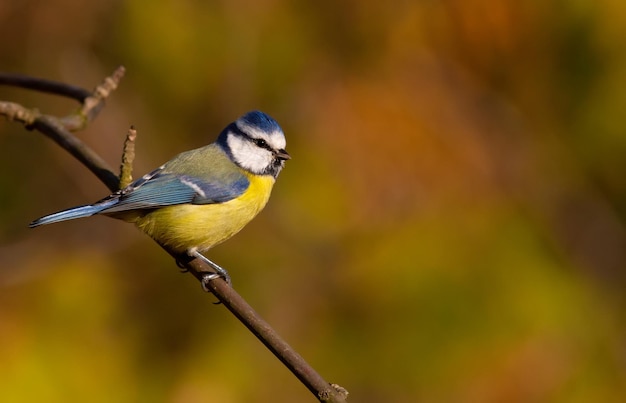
(219, 271)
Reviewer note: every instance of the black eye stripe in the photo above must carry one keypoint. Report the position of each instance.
(257, 141)
(262, 143)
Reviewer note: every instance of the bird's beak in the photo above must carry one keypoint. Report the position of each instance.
(282, 155)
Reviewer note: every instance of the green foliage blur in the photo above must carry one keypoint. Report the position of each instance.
(451, 227)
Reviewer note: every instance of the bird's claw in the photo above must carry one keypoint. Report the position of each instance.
(181, 266)
(207, 278)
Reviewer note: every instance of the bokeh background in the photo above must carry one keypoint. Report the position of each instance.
(451, 227)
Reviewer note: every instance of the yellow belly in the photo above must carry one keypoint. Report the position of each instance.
(186, 226)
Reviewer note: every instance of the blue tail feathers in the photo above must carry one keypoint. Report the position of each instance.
(70, 214)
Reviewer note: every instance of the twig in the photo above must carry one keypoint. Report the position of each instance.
(93, 102)
(128, 157)
(18, 113)
(59, 131)
(43, 85)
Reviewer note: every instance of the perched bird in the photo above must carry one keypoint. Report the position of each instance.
(201, 197)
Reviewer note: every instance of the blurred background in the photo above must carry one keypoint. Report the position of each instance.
(451, 227)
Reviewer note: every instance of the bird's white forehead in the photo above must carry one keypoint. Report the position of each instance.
(275, 138)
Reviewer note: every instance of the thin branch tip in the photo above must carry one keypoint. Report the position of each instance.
(110, 83)
(18, 113)
(95, 101)
(128, 158)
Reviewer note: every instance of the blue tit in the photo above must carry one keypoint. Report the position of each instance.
(201, 197)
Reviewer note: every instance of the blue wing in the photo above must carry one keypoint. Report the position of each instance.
(159, 189)
(202, 176)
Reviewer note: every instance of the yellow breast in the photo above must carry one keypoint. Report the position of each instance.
(186, 226)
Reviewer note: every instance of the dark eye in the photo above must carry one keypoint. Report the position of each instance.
(261, 143)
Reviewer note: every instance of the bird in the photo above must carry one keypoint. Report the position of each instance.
(202, 197)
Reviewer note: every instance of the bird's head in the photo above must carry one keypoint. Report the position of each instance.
(256, 143)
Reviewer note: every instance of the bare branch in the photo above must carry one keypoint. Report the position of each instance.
(91, 102)
(59, 131)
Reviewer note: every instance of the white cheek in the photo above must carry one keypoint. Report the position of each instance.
(255, 160)
(249, 156)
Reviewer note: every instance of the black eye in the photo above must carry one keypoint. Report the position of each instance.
(261, 143)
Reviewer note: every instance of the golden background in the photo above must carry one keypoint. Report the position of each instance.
(450, 228)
